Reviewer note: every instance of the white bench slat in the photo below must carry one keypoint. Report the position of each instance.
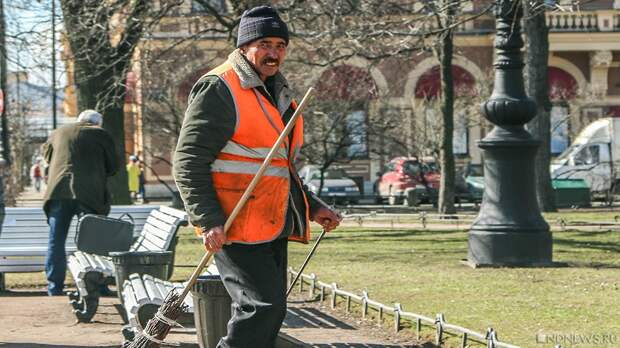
(150, 229)
(33, 251)
(152, 290)
(147, 245)
(129, 297)
(142, 296)
(181, 215)
(157, 242)
(94, 262)
(74, 267)
(171, 220)
(83, 260)
(160, 224)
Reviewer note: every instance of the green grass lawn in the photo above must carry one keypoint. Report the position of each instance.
(421, 270)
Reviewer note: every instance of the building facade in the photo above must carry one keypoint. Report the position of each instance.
(584, 82)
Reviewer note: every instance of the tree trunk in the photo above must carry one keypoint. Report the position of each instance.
(4, 135)
(446, 189)
(537, 56)
(100, 68)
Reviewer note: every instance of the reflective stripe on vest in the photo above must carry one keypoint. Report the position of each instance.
(241, 167)
(258, 126)
(256, 152)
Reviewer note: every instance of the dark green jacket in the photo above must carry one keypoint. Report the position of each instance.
(209, 123)
(81, 156)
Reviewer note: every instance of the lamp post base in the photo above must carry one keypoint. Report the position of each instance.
(509, 249)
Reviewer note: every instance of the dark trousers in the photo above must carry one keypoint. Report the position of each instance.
(255, 278)
(60, 214)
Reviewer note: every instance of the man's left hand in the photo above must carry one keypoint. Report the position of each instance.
(327, 218)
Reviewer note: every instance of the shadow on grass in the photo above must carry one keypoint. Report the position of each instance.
(578, 244)
(395, 235)
(366, 345)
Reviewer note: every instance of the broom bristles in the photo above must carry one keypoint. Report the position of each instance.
(157, 329)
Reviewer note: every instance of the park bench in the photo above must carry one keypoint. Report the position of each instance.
(142, 297)
(25, 234)
(91, 272)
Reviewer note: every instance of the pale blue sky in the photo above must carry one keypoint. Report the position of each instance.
(29, 40)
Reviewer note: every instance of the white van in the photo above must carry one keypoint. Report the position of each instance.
(594, 156)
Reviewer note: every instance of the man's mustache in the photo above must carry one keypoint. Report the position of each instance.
(271, 60)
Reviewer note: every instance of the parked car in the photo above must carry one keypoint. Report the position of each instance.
(470, 183)
(337, 186)
(409, 180)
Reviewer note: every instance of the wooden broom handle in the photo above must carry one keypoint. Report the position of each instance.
(248, 191)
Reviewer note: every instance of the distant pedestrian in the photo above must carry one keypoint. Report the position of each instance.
(133, 176)
(81, 157)
(36, 174)
(142, 182)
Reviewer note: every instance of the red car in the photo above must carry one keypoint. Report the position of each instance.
(409, 180)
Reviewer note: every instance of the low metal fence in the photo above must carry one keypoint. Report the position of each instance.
(460, 221)
(441, 326)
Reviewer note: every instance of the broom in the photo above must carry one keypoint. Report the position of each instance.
(157, 328)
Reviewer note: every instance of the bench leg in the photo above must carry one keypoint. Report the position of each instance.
(85, 307)
(129, 333)
(2, 282)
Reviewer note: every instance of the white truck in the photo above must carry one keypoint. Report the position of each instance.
(594, 156)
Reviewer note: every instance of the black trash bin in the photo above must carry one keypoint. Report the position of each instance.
(155, 263)
(212, 310)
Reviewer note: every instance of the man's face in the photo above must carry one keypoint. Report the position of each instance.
(266, 54)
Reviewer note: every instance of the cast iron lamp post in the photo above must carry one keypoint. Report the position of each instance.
(510, 230)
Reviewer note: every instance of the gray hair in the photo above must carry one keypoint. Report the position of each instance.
(90, 116)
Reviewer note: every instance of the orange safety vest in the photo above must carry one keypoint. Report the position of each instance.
(259, 125)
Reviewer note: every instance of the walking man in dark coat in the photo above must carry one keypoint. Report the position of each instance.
(81, 156)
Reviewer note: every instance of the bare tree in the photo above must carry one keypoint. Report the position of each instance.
(537, 57)
(102, 36)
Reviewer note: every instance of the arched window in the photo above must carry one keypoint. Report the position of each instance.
(428, 88)
(344, 91)
(562, 87)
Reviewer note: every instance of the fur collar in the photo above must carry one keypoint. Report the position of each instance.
(249, 79)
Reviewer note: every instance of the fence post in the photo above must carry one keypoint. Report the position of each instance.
(322, 293)
(348, 304)
(440, 319)
(364, 303)
(334, 288)
(464, 341)
(301, 284)
(418, 328)
(289, 276)
(397, 309)
(312, 284)
(423, 219)
(491, 337)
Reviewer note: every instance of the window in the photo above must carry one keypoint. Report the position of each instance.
(588, 155)
(357, 134)
(412, 168)
(460, 140)
(559, 129)
(219, 5)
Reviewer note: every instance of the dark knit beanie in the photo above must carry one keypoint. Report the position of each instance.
(259, 22)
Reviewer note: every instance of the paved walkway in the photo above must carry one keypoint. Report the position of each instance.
(30, 319)
(30, 197)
